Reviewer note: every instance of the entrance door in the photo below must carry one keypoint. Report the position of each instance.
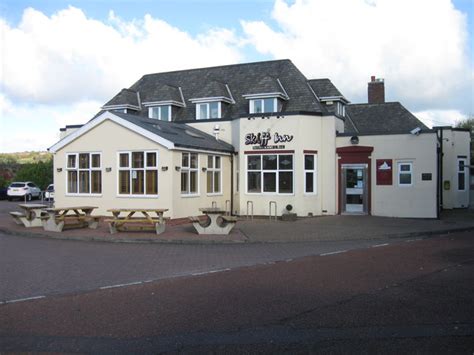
(354, 188)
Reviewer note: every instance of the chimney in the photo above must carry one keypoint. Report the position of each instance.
(376, 91)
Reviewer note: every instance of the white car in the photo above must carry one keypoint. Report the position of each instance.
(49, 193)
(23, 190)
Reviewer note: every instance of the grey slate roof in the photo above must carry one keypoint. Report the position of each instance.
(161, 93)
(242, 79)
(386, 118)
(181, 135)
(124, 97)
(324, 88)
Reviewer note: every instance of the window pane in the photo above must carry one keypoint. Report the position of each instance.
(96, 183)
(269, 182)
(405, 167)
(269, 162)
(165, 111)
(268, 105)
(405, 179)
(203, 111)
(96, 160)
(84, 161)
(137, 159)
(151, 159)
(210, 161)
(84, 182)
(194, 160)
(185, 160)
(285, 182)
(309, 162)
(461, 181)
(217, 182)
(124, 160)
(152, 182)
(309, 182)
(124, 182)
(285, 162)
(193, 182)
(214, 109)
(137, 182)
(254, 182)
(257, 106)
(254, 162)
(72, 181)
(184, 182)
(209, 182)
(155, 112)
(218, 162)
(71, 161)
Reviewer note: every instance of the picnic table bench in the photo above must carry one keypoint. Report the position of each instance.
(31, 216)
(58, 219)
(141, 223)
(217, 221)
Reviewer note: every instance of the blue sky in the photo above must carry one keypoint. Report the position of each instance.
(62, 60)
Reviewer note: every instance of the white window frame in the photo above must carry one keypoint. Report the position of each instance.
(400, 172)
(462, 171)
(77, 170)
(276, 171)
(313, 171)
(340, 109)
(252, 104)
(188, 170)
(214, 170)
(208, 110)
(130, 169)
(159, 107)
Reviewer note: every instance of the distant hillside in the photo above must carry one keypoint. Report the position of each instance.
(24, 157)
(13, 164)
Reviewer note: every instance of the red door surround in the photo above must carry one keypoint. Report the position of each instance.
(355, 155)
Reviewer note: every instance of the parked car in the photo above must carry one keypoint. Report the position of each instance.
(23, 190)
(49, 193)
(3, 193)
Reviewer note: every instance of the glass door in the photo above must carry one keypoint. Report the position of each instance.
(354, 189)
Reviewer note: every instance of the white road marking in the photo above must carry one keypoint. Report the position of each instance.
(379, 245)
(25, 299)
(333, 252)
(120, 285)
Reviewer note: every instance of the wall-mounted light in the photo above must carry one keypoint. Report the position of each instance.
(354, 140)
(108, 170)
(164, 168)
(204, 170)
(59, 170)
(177, 168)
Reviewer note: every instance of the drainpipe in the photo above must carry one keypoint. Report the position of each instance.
(232, 184)
(439, 194)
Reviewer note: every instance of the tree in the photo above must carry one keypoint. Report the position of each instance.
(41, 173)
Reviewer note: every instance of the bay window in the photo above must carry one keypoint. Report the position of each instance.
(84, 173)
(270, 173)
(189, 173)
(138, 173)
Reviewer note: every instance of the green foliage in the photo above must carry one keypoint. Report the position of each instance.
(4, 182)
(41, 173)
(467, 123)
(24, 157)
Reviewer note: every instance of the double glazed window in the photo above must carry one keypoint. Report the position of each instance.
(214, 174)
(84, 173)
(405, 174)
(272, 173)
(208, 110)
(310, 173)
(264, 105)
(138, 173)
(162, 113)
(189, 173)
(461, 170)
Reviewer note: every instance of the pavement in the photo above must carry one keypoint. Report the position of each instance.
(413, 296)
(263, 230)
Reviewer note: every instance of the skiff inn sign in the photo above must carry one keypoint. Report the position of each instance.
(261, 140)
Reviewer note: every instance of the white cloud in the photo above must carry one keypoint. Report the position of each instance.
(419, 46)
(68, 57)
(440, 117)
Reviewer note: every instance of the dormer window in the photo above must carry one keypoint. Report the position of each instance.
(208, 110)
(270, 104)
(340, 109)
(162, 113)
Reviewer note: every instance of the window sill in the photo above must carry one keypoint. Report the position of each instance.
(137, 196)
(83, 195)
(190, 195)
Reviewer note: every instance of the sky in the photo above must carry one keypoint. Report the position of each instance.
(60, 61)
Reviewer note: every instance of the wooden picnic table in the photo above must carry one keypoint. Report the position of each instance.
(145, 221)
(218, 222)
(31, 216)
(76, 216)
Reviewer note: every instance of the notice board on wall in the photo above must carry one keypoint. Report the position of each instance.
(384, 171)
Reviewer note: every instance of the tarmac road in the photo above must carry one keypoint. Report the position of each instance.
(404, 298)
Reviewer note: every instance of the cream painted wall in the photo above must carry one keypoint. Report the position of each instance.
(309, 133)
(416, 201)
